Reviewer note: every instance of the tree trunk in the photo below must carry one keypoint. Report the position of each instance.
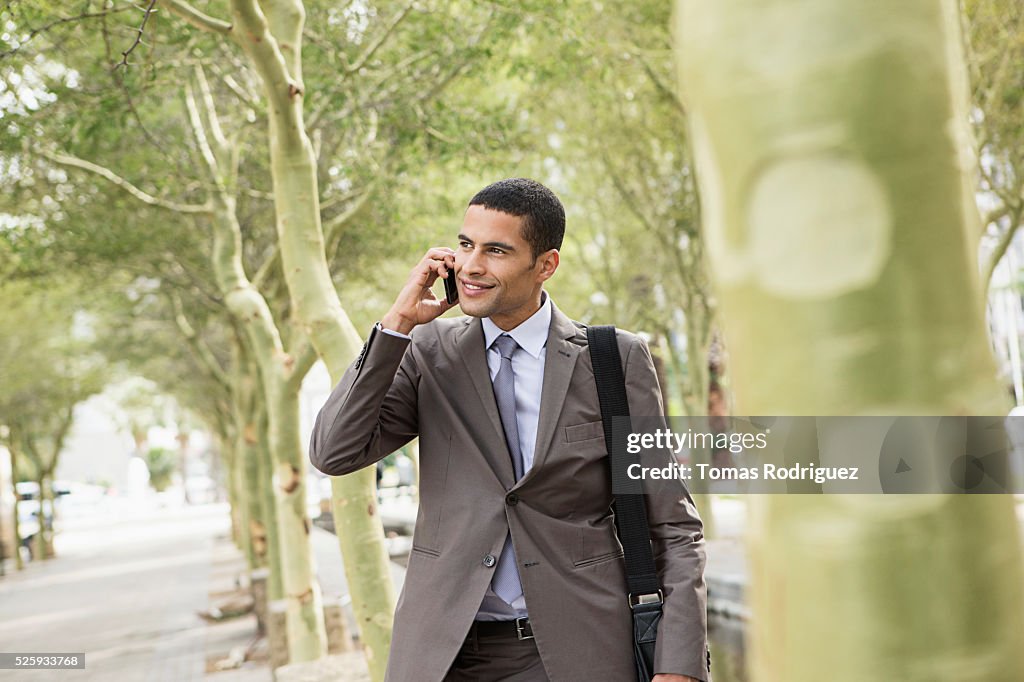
(253, 484)
(182, 438)
(832, 153)
(280, 376)
(307, 639)
(19, 562)
(268, 503)
(270, 33)
(51, 527)
(697, 343)
(245, 467)
(228, 450)
(42, 546)
(306, 636)
(656, 344)
(274, 48)
(239, 497)
(360, 534)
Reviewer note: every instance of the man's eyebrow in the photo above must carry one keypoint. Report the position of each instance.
(500, 245)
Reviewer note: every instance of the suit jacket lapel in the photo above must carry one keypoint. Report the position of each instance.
(559, 364)
(470, 347)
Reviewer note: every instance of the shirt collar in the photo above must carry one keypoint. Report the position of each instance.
(531, 334)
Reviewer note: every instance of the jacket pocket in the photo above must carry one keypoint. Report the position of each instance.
(599, 559)
(424, 550)
(578, 432)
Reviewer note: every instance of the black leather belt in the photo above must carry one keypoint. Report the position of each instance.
(519, 628)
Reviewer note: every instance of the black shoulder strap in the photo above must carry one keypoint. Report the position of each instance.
(630, 509)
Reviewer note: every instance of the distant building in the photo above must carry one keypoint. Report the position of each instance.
(97, 450)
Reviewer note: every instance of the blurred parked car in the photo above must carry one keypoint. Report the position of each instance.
(29, 505)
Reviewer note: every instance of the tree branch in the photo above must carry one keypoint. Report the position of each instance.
(354, 104)
(330, 203)
(667, 92)
(118, 181)
(1005, 239)
(172, 268)
(372, 48)
(61, 434)
(213, 120)
(264, 51)
(196, 18)
(631, 202)
(995, 215)
(259, 279)
(57, 22)
(302, 358)
(246, 98)
(138, 36)
(332, 228)
(199, 133)
(31, 452)
(202, 351)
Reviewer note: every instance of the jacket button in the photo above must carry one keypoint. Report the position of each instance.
(489, 560)
(512, 499)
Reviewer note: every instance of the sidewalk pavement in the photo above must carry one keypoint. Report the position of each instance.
(126, 590)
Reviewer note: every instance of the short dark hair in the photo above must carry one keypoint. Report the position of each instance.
(542, 212)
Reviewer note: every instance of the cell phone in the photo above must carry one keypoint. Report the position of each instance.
(451, 289)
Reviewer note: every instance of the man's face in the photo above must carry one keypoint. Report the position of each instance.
(497, 274)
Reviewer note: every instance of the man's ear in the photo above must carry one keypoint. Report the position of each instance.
(548, 264)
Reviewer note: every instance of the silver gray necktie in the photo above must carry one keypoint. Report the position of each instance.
(505, 581)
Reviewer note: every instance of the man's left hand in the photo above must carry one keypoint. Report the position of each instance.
(665, 677)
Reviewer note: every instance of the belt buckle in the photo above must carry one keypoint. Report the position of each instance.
(522, 627)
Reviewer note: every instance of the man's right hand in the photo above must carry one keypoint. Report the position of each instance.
(416, 303)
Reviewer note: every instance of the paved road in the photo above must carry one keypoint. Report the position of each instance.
(125, 590)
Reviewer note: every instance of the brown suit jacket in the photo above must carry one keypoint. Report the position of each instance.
(438, 387)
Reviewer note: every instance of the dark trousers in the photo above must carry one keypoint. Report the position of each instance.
(496, 658)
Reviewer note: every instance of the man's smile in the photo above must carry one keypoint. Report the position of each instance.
(475, 288)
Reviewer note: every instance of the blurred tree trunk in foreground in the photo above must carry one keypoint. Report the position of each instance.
(835, 172)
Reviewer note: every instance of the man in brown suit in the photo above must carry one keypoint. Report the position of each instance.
(515, 571)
